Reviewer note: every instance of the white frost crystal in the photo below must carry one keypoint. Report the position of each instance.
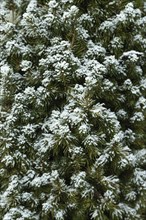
(72, 110)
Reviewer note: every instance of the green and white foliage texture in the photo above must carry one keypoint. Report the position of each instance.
(73, 108)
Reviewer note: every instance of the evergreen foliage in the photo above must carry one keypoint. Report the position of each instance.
(73, 108)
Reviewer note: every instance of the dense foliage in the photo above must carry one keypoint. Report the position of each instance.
(73, 108)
